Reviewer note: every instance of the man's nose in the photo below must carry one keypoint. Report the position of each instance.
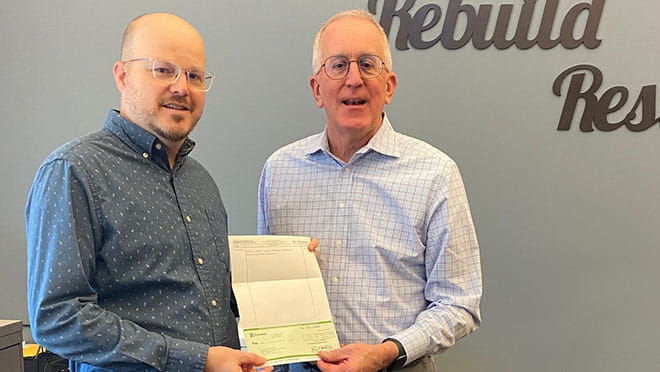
(180, 86)
(353, 76)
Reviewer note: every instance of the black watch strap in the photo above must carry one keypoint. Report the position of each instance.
(400, 360)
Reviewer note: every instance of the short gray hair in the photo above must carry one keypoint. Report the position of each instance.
(356, 13)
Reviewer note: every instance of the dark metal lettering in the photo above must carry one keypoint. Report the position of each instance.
(604, 108)
(449, 28)
(647, 98)
(418, 26)
(544, 38)
(428, 16)
(388, 13)
(575, 93)
(521, 37)
(589, 40)
(479, 40)
(597, 110)
(502, 25)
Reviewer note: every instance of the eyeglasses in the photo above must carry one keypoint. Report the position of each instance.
(169, 72)
(337, 67)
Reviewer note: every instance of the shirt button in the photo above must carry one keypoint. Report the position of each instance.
(214, 303)
(145, 155)
(158, 146)
(338, 243)
(200, 261)
(335, 279)
(341, 205)
(347, 169)
(188, 218)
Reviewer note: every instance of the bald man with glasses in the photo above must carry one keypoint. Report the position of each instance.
(128, 263)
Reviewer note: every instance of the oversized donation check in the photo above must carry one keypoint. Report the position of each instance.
(284, 311)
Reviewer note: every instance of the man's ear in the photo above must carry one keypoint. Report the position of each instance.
(119, 73)
(390, 87)
(316, 90)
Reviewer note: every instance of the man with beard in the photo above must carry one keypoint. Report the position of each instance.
(128, 264)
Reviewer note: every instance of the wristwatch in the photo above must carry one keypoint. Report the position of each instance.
(400, 359)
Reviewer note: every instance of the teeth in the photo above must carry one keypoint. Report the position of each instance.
(176, 107)
(354, 102)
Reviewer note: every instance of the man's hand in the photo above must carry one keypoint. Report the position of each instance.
(358, 357)
(224, 359)
(313, 244)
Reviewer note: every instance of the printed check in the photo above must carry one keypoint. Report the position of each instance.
(285, 316)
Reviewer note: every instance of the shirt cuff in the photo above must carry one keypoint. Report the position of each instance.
(185, 355)
(413, 343)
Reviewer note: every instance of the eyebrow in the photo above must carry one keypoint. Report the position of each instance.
(358, 56)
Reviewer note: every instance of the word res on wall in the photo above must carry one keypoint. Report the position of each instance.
(597, 110)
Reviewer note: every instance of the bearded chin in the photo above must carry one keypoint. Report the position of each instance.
(172, 135)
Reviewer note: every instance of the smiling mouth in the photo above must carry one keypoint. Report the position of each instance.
(175, 106)
(354, 102)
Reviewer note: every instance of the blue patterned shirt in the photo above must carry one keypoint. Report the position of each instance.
(128, 265)
(398, 249)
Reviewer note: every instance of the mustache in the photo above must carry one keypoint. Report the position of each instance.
(184, 101)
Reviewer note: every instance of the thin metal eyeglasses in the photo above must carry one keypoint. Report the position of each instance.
(169, 72)
(337, 67)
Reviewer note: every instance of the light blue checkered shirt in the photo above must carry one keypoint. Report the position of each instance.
(398, 249)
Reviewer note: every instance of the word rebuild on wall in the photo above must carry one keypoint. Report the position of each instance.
(422, 29)
(426, 19)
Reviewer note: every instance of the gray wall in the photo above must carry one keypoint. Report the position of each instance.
(567, 221)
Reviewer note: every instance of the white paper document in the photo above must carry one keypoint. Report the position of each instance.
(284, 311)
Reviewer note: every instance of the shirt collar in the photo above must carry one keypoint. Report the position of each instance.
(384, 142)
(141, 140)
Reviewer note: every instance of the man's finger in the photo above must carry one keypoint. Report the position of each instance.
(313, 246)
(252, 359)
(332, 356)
